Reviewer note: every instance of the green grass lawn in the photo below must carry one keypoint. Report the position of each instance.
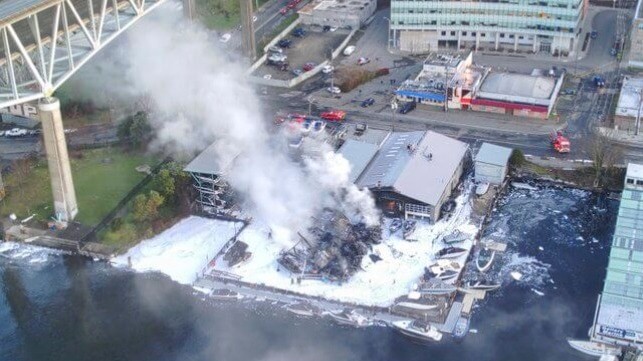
(222, 14)
(101, 178)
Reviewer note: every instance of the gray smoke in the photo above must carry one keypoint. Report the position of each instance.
(200, 96)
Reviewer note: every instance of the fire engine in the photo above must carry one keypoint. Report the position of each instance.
(559, 142)
(334, 115)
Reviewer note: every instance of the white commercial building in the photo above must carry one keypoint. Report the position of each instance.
(339, 13)
(628, 104)
(491, 163)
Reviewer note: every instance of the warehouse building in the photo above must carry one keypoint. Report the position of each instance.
(536, 26)
(412, 174)
(491, 163)
(338, 13)
(526, 95)
(629, 101)
(619, 314)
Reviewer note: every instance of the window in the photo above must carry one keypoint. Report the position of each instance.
(502, 35)
(464, 33)
(629, 180)
(521, 37)
(473, 33)
(639, 182)
(482, 35)
(453, 33)
(511, 36)
(443, 33)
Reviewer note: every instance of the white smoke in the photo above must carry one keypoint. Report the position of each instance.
(200, 97)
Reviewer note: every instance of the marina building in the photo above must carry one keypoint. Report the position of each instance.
(209, 183)
(619, 315)
(551, 26)
(629, 101)
(491, 163)
(411, 174)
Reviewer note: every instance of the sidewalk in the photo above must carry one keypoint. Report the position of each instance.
(623, 137)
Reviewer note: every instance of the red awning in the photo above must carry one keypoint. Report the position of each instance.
(508, 105)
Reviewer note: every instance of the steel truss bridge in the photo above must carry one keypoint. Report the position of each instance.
(44, 42)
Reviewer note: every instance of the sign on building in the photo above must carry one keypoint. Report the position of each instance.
(22, 110)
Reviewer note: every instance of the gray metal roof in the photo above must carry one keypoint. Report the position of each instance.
(358, 154)
(422, 172)
(206, 162)
(493, 154)
(620, 316)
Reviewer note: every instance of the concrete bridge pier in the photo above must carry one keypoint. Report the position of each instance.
(189, 9)
(62, 185)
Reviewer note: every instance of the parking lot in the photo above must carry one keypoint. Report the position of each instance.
(314, 47)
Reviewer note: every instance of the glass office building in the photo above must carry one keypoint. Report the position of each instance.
(549, 26)
(619, 315)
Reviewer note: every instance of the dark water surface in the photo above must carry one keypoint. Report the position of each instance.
(57, 307)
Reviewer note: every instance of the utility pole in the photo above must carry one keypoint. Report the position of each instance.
(638, 114)
(446, 88)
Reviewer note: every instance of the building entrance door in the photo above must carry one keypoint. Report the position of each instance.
(545, 47)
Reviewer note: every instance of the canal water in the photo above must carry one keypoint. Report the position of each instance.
(60, 307)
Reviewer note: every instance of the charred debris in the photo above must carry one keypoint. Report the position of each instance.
(332, 249)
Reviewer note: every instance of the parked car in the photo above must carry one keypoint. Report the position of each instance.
(593, 34)
(363, 61)
(267, 76)
(326, 28)
(328, 69)
(349, 50)
(599, 81)
(275, 49)
(309, 66)
(299, 32)
(407, 107)
(283, 66)
(333, 29)
(284, 11)
(225, 37)
(276, 57)
(297, 72)
(333, 90)
(367, 102)
(284, 43)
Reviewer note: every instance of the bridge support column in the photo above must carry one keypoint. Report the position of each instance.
(62, 185)
(189, 9)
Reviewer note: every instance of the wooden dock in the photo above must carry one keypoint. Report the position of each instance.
(470, 296)
(496, 246)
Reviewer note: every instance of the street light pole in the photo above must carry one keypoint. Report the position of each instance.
(388, 37)
(638, 114)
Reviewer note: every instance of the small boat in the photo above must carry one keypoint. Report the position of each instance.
(435, 286)
(451, 252)
(416, 306)
(594, 348)
(225, 294)
(455, 237)
(396, 225)
(447, 275)
(520, 185)
(485, 259)
(417, 330)
(303, 309)
(461, 327)
(351, 318)
(482, 188)
(483, 285)
(409, 227)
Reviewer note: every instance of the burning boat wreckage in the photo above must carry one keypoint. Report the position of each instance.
(332, 249)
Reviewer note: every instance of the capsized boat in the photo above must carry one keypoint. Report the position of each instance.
(303, 309)
(409, 227)
(417, 329)
(520, 185)
(594, 348)
(485, 258)
(455, 237)
(461, 327)
(396, 225)
(351, 317)
(483, 285)
(451, 252)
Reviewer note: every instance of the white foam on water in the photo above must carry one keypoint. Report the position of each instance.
(28, 253)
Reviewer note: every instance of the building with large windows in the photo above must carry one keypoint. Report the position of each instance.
(517, 25)
(619, 315)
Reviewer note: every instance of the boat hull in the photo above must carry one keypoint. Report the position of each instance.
(485, 266)
(594, 348)
(403, 328)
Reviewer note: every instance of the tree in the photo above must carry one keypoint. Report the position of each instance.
(154, 202)
(164, 183)
(517, 158)
(140, 210)
(136, 129)
(604, 156)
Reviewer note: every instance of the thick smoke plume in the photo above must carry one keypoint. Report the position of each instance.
(199, 96)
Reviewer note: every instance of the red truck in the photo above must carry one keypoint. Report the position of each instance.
(334, 115)
(560, 143)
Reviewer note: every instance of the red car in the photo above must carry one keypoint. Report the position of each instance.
(283, 11)
(308, 66)
(291, 5)
(334, 115)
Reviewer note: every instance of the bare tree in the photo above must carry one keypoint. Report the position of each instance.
(604, 155)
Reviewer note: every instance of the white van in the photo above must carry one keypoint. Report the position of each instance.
(349, 50)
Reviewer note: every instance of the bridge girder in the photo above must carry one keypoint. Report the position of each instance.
(43, 48)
